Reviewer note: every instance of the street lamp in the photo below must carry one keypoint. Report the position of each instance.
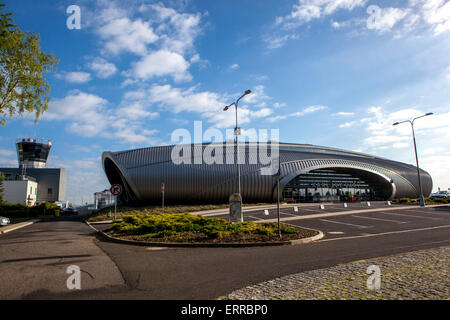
(422, 201)
(237, 132)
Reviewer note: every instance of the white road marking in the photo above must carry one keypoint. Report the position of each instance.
(255, 218)
(311, 210)
(387, 233)
(335, 232)
(289, 214)
(409, 216)
(430, 211)
(348, 224)
(379, 219)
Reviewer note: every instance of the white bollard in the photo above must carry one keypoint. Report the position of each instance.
(345, 204)
(322, 207)
(295, 209)
(368, 203)
(388, 203)
(266, 212)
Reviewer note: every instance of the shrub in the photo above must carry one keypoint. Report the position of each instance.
(17, 210)
(167, 225)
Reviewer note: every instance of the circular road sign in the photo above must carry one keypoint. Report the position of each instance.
(116, 189)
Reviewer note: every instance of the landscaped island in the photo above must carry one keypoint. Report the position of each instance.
(187, 228)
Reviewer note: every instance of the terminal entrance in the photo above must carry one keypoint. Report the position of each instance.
(336, 185)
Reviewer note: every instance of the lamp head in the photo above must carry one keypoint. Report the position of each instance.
(395, 124)
(429, 114)
(248, 92)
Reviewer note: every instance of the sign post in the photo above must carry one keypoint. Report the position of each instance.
(116, 190)
(276, 175)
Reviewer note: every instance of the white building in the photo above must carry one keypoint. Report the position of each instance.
(103, 199)
(20, 191)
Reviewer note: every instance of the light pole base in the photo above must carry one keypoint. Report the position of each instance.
(422, 201)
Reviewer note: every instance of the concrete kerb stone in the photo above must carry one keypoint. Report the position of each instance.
(17, 226)
(107, 237)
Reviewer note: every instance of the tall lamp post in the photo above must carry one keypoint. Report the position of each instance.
(237, 132)
(422, 201)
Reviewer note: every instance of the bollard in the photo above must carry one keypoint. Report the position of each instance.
(368, 203)
(266, 212)
(322, 207)
(295, 209)
(345, 204)
(388, 203)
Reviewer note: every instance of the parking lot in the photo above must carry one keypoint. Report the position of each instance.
(361, 224)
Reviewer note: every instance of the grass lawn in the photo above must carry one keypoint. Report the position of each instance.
(189, 228)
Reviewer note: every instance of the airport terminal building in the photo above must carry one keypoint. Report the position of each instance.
(307, 173)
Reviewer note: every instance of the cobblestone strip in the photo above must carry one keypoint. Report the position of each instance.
(417, 275)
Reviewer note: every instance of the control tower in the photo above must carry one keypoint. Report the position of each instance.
(33, 153)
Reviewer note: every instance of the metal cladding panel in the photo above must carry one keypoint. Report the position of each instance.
(145, 169)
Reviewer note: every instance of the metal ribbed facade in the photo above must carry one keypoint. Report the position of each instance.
(142, 171)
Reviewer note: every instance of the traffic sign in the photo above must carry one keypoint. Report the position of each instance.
(116, 189)
(162, 187)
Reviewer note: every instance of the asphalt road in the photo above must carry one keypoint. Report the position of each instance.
(202, 273)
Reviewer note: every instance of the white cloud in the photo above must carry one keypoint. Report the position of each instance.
(86, 112)
(305, 111)
(278, 41)
(7, 153)
(209, 105)
(279, 105)
(162, 63)
(437, 14)
(74, 77)
(136, 111)
(344, 114)
(384, 19)
(307, 10)
(102, 68)
(233, 67)
(124, 35)
(379, 136)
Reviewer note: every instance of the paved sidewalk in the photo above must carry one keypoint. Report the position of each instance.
(422, 274)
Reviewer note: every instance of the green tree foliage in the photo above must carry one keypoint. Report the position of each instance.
(23, 69)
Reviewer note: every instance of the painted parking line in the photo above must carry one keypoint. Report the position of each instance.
(313, 210)
(289, 214)
(379, 219)
(409, 216)
(347, 224)
(255, 218)
(429, 211)
(389, 233)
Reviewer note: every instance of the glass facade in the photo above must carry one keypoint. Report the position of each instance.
(30, 152)
(328, 185)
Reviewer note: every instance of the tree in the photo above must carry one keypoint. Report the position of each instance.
(23, 67)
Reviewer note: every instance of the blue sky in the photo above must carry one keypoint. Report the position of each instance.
(332, 73)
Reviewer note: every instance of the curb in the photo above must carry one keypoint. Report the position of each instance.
(19, 226)
(107, 237)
